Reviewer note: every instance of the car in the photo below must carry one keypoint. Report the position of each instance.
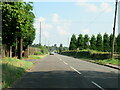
(52, 53)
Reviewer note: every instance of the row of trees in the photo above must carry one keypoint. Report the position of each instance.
(55, 48)
(17, 26)
(100, 43)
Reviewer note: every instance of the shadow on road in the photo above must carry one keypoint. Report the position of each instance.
(67, 79)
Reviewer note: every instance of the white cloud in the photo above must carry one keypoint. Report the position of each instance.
(62, 30)
(46, 34)
(85, 31)
(89, 6)
(55, 18)
(46, 26)
(62, 25)
(92, 8)
(41, 19)
(105, 7)
(59, 25)
(43, 24)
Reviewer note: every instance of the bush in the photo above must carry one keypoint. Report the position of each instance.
(38, 53)
(100, 56)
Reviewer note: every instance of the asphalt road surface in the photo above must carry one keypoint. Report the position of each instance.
(58, 71)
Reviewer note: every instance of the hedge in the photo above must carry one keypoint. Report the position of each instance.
(88, 54)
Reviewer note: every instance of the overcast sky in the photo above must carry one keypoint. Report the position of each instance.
(62, 19)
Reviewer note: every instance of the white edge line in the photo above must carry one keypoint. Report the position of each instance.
(75, 70)
(98, 85)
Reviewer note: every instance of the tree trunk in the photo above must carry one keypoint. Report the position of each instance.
(10, 51)
(26, 52)
(20, 48)
(16, 48)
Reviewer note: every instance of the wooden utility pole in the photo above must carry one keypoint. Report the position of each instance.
(113, 43)
(40, 34)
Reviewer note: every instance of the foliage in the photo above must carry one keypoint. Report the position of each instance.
(13, 69)
(109, 61)
(61, 48)
(80, 42)
(106, 41)
(91, 54)
(96, 43)
(93, 42)
(43, 49)
(35, 57)
(118, 43)
(73, 42)
(110, 43)
(38, 53)
(99, 42)
(17, 19)
(86, 41)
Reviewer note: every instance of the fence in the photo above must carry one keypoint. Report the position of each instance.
(10, 52)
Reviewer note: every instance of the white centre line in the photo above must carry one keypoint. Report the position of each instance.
(75, 70)
(98, 85)
(65, 63)
(70, 66)
(59, 58)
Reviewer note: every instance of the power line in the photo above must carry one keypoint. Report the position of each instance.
(34, 10)
(101, 13)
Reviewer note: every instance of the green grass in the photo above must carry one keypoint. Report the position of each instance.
(109, 61)
(35, 57)
(13, 69)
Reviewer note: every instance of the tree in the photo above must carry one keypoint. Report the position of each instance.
(106, 41)
(118, 43)
(86, 41)
(73, 43)
(99, 43)
(80, 42)
(110, 43)
(17, 24)
(61, 48)
(9, 23)
(93, 43)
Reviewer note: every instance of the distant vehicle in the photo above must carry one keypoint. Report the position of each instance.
(52, 53)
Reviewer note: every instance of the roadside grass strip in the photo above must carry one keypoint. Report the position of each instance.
(35, 57)
(12, 69)
(109, 61)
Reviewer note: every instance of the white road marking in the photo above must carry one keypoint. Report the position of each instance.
(59, 58)
(98, 85)
(75, 70)
(65, 63)
(70, 66)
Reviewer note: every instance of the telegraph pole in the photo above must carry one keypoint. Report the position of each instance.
(40, 35)
(113, 43)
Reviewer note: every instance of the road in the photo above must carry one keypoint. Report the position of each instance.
(58, 71)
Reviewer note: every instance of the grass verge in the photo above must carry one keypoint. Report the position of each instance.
(109, 61)
(35, 57)
(12, 69)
